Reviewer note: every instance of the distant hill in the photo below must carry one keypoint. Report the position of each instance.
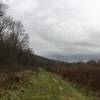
(75, 58)
(43, 61)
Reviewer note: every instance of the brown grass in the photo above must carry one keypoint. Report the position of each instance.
(13, 75)
(85, 74)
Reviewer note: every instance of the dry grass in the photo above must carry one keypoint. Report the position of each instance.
(44, 86)
(84, 74)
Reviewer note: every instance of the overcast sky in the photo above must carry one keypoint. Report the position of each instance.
(63, 27)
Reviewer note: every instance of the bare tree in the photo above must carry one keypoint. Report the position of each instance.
(17, 37)
(14, 47)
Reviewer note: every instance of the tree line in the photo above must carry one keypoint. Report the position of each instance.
(14, 44)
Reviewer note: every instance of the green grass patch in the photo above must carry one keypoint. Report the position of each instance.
(44, 86)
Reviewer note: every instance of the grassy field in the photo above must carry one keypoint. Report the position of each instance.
(43, 86)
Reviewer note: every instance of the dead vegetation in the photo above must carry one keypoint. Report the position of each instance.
(13, 77)
(85, 74)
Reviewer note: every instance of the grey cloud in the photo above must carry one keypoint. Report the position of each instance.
(62, 27)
